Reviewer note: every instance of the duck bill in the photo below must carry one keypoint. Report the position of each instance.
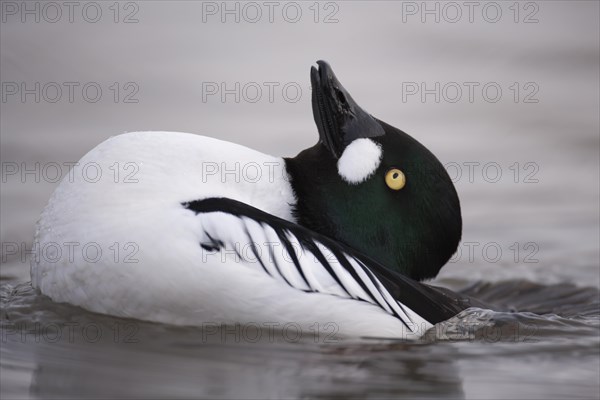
(339, 119)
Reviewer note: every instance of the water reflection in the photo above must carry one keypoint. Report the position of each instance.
(243, 371)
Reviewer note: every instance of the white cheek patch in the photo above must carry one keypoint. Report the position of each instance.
(359, 161)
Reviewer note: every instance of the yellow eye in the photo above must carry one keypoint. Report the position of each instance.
(395, 179)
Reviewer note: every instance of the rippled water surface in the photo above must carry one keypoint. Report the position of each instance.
(530, 246)
(59, 351)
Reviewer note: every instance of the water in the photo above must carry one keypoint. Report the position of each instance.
(60, 351)
(530, 243)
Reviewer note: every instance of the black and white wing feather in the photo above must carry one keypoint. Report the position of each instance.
(311, 262)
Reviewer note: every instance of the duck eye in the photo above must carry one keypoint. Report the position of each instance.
(395, 179)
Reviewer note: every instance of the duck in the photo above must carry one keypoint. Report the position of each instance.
(184, 229)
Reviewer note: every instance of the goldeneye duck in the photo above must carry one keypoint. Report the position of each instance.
(339, 234)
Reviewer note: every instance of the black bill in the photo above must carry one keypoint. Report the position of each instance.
(339, 119)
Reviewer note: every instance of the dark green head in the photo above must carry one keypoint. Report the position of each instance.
(373, 187)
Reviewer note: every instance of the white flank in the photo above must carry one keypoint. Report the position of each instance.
(359, 161)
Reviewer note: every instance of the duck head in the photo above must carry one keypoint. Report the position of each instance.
(373, 187)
